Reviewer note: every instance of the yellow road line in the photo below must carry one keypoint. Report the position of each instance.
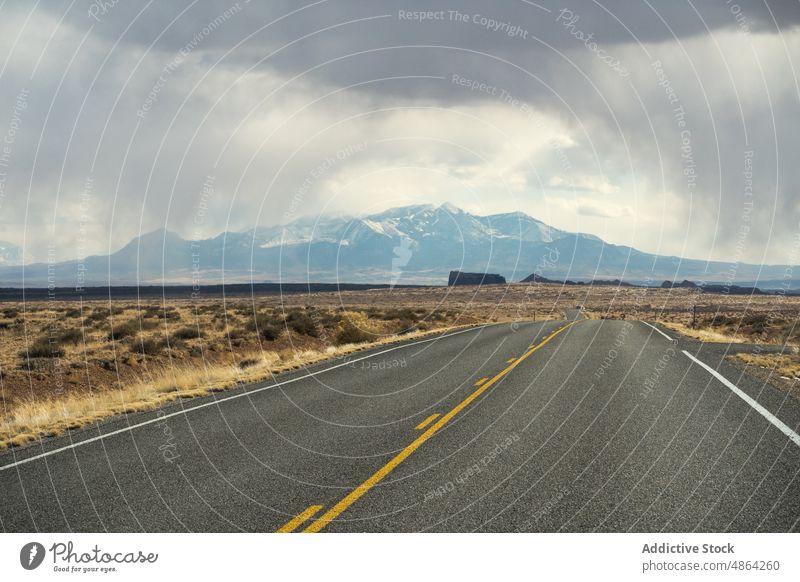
(481, 381)
(427, 421)
(381, 473)
(510, 360)
(300, 519)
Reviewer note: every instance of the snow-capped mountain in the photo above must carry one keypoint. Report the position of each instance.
(442, 223)
(417, 244)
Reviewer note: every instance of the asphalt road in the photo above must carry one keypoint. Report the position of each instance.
(578, 425)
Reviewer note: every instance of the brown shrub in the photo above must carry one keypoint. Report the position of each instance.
(301, 322)
(355, 329)
(123, 330)
(71, 336)
(148, 347)
(43, 348)
(187, 333)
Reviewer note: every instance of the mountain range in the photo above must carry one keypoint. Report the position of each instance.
(417, 244)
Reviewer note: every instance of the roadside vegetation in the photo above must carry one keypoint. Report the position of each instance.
(63, 368)
(769, 328)
(787, 367)
(767, 323)
(63, 365)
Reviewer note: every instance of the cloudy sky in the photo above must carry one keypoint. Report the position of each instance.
(670, 126)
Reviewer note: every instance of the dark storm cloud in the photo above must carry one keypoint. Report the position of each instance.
(614, 21)
(368, 39)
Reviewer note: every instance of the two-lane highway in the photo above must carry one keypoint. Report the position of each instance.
(575, 425)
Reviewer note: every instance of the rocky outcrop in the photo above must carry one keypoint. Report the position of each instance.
(460, 278)
(685, 284)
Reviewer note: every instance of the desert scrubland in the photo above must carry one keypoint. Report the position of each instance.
(65, 364)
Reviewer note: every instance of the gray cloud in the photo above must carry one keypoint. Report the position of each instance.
(134, 107)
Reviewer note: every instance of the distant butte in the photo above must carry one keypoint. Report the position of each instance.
(460, 278)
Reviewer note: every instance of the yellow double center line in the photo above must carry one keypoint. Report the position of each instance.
(379, 475)
(296, 522)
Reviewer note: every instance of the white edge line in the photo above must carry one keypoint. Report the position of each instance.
(659, 331)
(233, 397)
(760, 409)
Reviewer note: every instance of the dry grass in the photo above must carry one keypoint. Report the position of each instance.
(786, 366)
(708, 335)
(759, 319)
(63, 365)
(32, 420)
